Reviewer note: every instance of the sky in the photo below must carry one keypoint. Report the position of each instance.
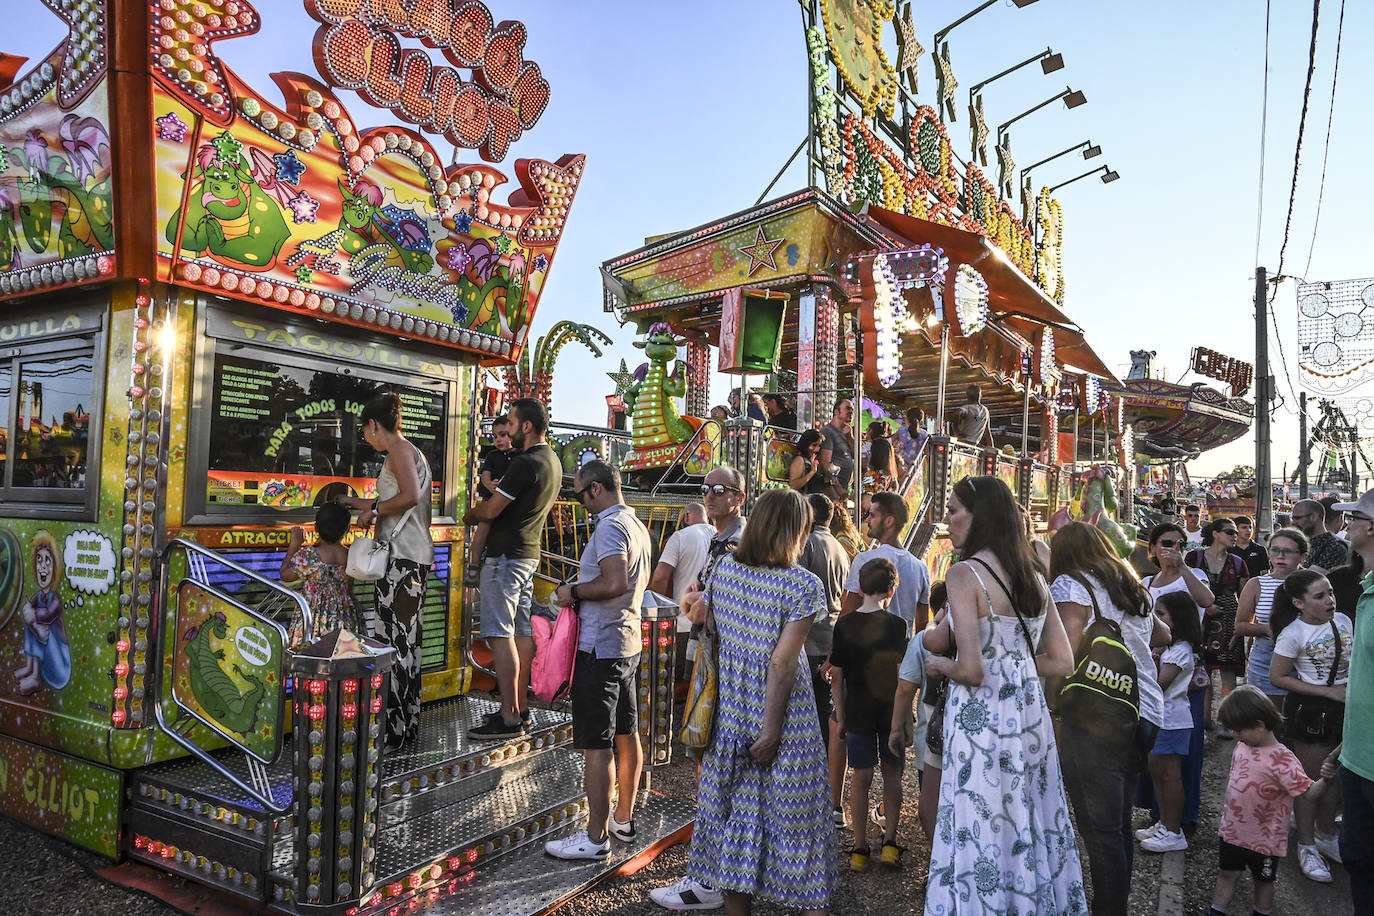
(685, 112)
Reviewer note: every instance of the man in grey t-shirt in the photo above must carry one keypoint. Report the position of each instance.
(611, 578)
(970, 422)
(837, 450)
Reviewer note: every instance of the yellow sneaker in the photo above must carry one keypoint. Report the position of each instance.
(892, 855)
(858, 859)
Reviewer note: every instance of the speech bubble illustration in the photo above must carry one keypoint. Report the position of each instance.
(89, 559)
(253, 646)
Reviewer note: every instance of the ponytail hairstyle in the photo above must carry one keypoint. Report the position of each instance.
(1185, 624)
(385, 408)
(1293, 588)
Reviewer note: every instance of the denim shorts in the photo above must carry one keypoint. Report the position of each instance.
(507, 588)
(1173, 741)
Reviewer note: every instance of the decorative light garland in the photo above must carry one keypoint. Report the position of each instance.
(970, 300)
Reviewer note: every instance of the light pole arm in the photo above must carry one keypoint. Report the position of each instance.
(940, 35)
(1012, 69)
(1002, 128)
(1026, 171)
(1100, 168)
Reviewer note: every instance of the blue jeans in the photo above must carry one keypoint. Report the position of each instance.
(507, 589)
(1357, 838)
(1100, 780)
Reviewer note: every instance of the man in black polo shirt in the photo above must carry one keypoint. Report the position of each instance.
(1255, 556)
(517, 510)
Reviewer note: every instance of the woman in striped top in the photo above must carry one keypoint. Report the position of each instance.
(1287, 548)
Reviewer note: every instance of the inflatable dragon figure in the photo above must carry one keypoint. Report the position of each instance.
(1095, 503)
(658, 429)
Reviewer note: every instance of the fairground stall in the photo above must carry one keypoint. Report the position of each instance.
(201, 282)
(897, 278)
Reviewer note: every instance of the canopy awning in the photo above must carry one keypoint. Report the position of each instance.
(1013, 298)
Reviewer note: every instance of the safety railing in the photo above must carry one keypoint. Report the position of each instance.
(227, 662)
(694, 461)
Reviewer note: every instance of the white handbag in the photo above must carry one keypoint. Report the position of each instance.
(368, 557)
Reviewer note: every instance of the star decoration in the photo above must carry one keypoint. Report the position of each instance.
(909, 49)
(541, 262)
(944, 75)
(503, 243)
(169, 127)
(761, 252)
(623, 379)
(304, 208)
(1006, 166)
(980, 129)
(289, 168)
(462, 221)
(228, 148)
(82, 63)
(458, 257)
(4, 157)
(304, 273)
(459, 312)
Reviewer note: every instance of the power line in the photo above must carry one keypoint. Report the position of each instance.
(1326, 151)
(1264, 122)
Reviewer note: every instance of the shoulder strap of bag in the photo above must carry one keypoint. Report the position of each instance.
(1335, 631)
(401, 521)
(1092, 596)
(1025, 630)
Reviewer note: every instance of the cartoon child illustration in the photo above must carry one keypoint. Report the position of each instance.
(45, 635)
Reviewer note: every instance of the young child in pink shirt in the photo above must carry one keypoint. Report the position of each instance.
(1265, 778)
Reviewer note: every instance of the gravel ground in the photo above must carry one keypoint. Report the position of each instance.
(47, 876)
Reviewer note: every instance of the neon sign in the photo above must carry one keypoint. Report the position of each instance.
(357, 48)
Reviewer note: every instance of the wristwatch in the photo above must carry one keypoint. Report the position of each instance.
(374, 506)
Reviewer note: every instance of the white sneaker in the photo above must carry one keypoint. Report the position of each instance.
(578, 846)
(1144, 833)
(1313, 865)
(1165, 841)
(841, 820)
(876, 815)
(1329, 846)
(623, 831)
(687, 894)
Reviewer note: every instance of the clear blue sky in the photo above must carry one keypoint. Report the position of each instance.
(686, 110)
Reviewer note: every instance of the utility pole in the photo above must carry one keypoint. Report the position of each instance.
(1264, 483)
(1302, 445)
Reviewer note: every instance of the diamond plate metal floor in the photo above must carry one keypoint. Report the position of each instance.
(527, 881)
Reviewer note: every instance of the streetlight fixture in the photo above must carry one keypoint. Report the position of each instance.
(1072, 99)
(940, 35)
(1050, 61)
(1108, 176)
(1092, 151)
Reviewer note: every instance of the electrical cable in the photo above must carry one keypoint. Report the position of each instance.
(1326, 151)
(1264, 128)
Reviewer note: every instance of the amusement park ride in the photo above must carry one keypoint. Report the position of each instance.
(171, 236)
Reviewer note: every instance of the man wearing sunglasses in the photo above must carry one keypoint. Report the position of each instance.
(1357, 751)
(723, 495)
(1326, 551)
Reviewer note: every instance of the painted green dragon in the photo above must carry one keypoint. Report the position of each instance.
(213, 688)
(652, 401)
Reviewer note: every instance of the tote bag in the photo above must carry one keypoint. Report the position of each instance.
(555, 653)
(367, 557)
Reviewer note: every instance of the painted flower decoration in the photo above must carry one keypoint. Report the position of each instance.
(170, 127)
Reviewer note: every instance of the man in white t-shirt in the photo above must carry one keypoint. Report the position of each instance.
(887, 516)
(682, 560)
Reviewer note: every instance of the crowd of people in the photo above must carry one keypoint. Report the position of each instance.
(1050, 694)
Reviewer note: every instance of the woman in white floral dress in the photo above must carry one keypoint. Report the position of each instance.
(1003, 840)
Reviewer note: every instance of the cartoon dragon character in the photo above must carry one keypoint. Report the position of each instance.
(69, 191)
(366, 222)
(652, 401)
(214, 690)
(233, 209)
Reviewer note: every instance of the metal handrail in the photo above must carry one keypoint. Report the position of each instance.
(277, 592)
(686, 450)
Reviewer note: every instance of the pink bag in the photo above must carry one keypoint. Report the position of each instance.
(555, 652)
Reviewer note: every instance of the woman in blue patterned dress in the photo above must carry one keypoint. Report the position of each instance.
(764, 826)
(1003, 840)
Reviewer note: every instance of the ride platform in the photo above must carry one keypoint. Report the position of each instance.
(460, 827)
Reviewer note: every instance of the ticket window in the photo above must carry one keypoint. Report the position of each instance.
(51, 384)
(283, 434)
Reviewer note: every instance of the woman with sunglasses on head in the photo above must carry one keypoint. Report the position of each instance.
(1003, 824)
(1287, 548)
(1167, 542)
(1226, 575)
